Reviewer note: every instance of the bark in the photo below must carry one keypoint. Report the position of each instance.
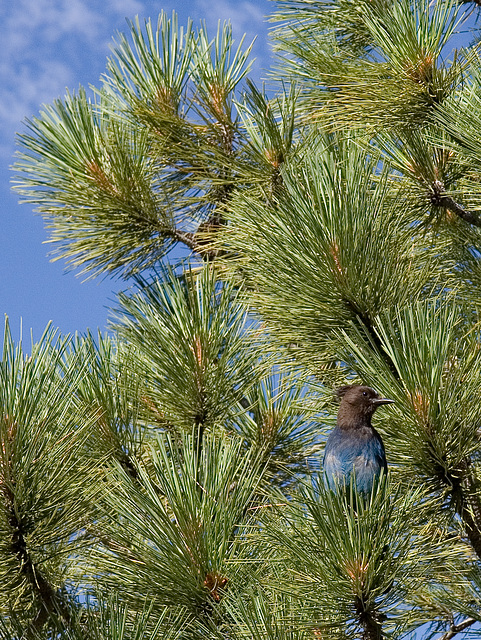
(469, 510)
(48, 600)
(468, 216)
(439, 198)
(457, 628)
(368, 619)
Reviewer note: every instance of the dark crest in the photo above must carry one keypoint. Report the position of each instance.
(340, 392)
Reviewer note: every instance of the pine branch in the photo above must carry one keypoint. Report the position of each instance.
(439, 198)
(372, 628)
(467, 505)
(186, 237)
(366, 324)
(47, 597)
(448, 203)
(194, 241)
(470, 512)
(457, 628)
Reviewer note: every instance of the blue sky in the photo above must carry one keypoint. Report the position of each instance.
(47, 46)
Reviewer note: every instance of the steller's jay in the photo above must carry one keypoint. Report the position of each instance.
(354, 445)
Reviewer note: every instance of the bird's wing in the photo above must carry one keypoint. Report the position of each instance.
(339, 457)
(346, 453)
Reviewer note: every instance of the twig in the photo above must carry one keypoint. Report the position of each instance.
(468, 216)
(439, 198)
(185, 237)
(457, 628)
(192, 241)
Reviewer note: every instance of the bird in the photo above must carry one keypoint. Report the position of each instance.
(354, 447)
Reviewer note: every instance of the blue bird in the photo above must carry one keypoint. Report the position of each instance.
(354, 445)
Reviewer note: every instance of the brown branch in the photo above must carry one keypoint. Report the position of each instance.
(464, 491)
(245, 404)
(468, 216)
(194, 241)
(186, 237)
(372, 630)
(48, 599)
(439, 198)
(457, 628)
(369, 620)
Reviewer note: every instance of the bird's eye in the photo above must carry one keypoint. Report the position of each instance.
(364, 393)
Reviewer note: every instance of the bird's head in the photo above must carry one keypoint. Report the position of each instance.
(359, 400)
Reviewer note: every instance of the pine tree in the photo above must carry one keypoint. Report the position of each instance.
(164, 480)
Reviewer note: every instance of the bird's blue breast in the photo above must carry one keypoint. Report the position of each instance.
(358, 451)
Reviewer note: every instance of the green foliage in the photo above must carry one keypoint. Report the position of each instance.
(95, 184)
(464, 127)
(195, 347)
(335, 247)
(111, 394)
(165, 481)
(270, 133)
(107, 175)
(283, 424)
(380, 66)
(315, 18)
(48, 480)
(177, 539)
(258, 615)
(428, 361)
(355, 564)
(110, 619)
(153, 73)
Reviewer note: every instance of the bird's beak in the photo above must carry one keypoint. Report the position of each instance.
(379, 401)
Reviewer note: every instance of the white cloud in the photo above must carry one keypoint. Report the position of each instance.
(246, 17)
(128, 7)
(34, 87)
(50, 20)
(47, 45)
